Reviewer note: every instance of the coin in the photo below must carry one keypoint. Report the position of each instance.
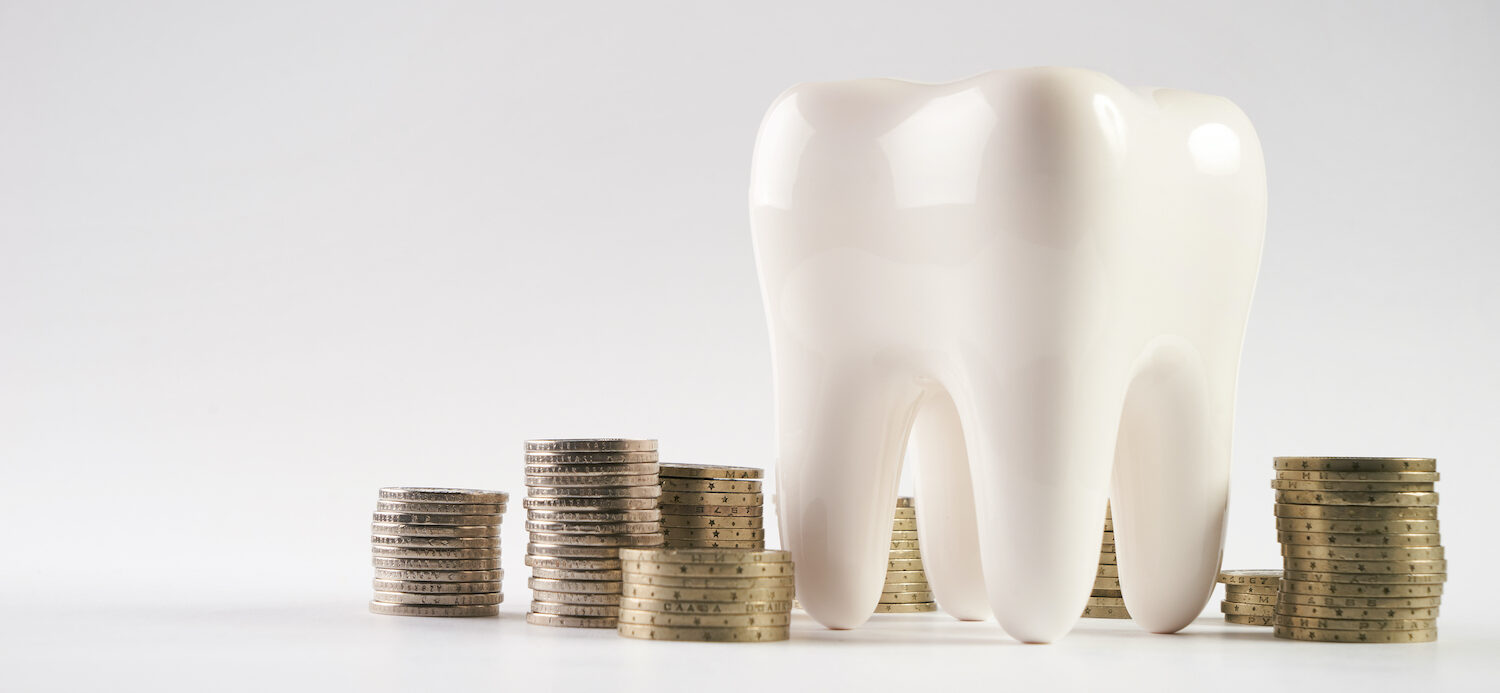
(1108, 559)
(904, 525)
(590, 444)
(595, 517)
(905, 576)
(1253, 589)
(436, 563)
(442, 508)
(716, 582)
(708, 570)
(413, 552)
(1359, 540)
(1266, 599)
(670, 485)
(1247, 609)
(561, 609)
(702, 556)
(592, 492)
(904, 535)
(430, 598)
(607, 469)
(1360, 602)
(1353, 624)
(730, 499)
(565, 574)
(576, 598)
(906, 502)
(536, 619)
(1357, 498)
(602, 540)
(1106, 601)
(1250, 577)
(1355, 512)
(439, 575)
(704, 620)
(904, 564)
(713, 533)
(568, 551)
(916, 608)
(750, 544)
(592, 480)
(436, 542)
(593, 528)
(1368, 578)
(707, 594)
(1398, 477)
(685, 633)
(1362, 553)
(419, 494)
(1357, 464)
(1386, 636)
(1367, 567)
(905, 597)
(1249, 620)
(574, 586)
(1379, 590)
(704, 522)
(1292, 524)
(1357, 613)
(905, 513)
(1098, 592)
(396, 529)
(911, 586)
(449, 610)
(716, 510)
(667, 606)
(904, 545)
(1105, 612)
(901, 554)
(708, 471)
(590, 504)
(591, 458)
(555, 562)
(435, 519)
(1107, 570)
(1351, 486)
(435, 587)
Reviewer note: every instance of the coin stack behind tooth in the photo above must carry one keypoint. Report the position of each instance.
(906, 590)
(587, 499)
(1249, 596)
(1360, 549)
(437, 552)
(720, 595)
(1106, 600)
(710, 506)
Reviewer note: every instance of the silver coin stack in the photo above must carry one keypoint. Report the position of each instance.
(437, 552)
(1107, 601)
(587, 499)
(906, 590)
(712, 507)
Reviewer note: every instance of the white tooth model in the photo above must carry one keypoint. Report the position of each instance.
(1043, 275)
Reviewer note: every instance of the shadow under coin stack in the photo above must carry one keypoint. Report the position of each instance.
(1361, 551)
(1249, 596)
(709, 595)
(586, 500)
(707, 506)
(437, 552)
(906, 590)
(1106, 601)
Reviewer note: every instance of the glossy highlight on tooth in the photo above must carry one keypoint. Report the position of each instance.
(1038, 281)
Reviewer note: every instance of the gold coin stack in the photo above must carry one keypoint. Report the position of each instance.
(712, 507)
(711, 595)
(1106, 601)
(586, 500)
(1362, 557)
(1249, 596)
(906, 590)
(437, 552)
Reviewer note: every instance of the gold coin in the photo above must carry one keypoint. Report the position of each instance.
(710, 582)
(1354, 512)
(1360, 602)
(439, 575)
(1105, 612)
(1375, 590)
(905, 514)
(1357, 464)
(1354, 624)
(710, 471)
(607, 469)
(445, 520)
(651, 618)
(904, 564)
(565, 574)
(574, 586)
(470, 599)
(1108, 570)
(1358, 498)
(422, 494)
(1359, 540)
(713, 533)
(905, 545)
(1250, 577)
(906, 502)
(779, 569)
(1352, 486)
(685, 633)
(750, 544)
(703, 594)
(590, 480)
(1368, 578)
(1353, 636)
(1250, 589)
(597, 599)
(1097, 592)
(704, 522)
(913, 586)
(905, 576)
(590, 504)
(1367, 567)
(896, 554)
(435, 563)
(603, 540)
(1106, 601)
(1293, 524)
(705, 556)
(423, 552)
(1107, 583)
(387, 506)
(903, 535)
(413, 587)
(1357, 613)
(704, 510)
(915, 608)
(1240, 609)
(593, 527)
(570, 551)
(571, 621)
(1248, 620)
(441, 610)
(1108, 558)
(559, 609)
(905, 597)
(667, 606)
(722, 499)
(1398, 477)
(904, 525)
(709, 486)
(1362, 553)
(1266, 599)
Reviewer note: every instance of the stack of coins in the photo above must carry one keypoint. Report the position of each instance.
(1250, 596)
(712, 507)
(720, 595)
(1362, 556)
(906, 590)
(586, 500)
(437, 552)
(1106, 601)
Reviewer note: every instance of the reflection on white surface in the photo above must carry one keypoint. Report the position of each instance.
(1215, 149)
(928, 170)
(1112, 124)
(785, 125)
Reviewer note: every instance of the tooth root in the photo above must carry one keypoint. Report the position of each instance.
(1170, 488)
(946, 522)
(1042, 442)
(841, 438)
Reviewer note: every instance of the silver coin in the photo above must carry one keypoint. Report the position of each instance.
(575, 598)
(591, 458)
(557, 563)
(614, 540)
(593, 527)
(396, 529)
(592, 480)
(590, 444)
(571, 621)
(439, 575)
(436, 563)
(436, 587)
(447, 610)
(429, 598)
(593, 492)
(566, 574)
(386, 506)
(420, 494)
(609, 469)
(600, 517)
(569, 551)
(436, 519)
(590, 504)
(437, 542)
(413, 552)
(575, 586)
(573, 609)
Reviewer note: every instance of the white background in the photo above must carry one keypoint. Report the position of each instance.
(259, 259)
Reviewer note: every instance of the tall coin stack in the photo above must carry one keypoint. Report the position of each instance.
(719, 595)
(707, 506)
(1107, 601)
(1362, 556)
(1250, 596)
(437, 552)
(587, 498)
(906, 590)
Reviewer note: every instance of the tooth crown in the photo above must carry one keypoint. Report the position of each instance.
(1063, 263)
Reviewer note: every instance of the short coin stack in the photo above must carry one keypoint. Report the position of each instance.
(587, 498)
(1106, 601)
(712, 507)
(719, 595)
(906, 590)
(1249, 596)
(437, 552)
(1362, 556)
